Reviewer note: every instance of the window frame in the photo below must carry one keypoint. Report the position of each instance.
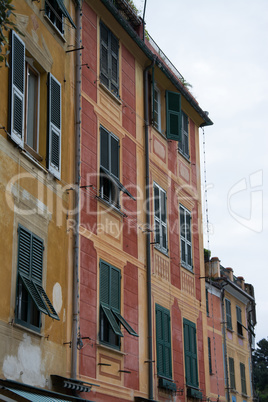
(232, 373)
(163, 342)
(162, 244)
(190, 353)
(110, 316)
(239, 321)
(228, 314)
(36, 73)
(106, 76)
(29, 280)
(188, 244)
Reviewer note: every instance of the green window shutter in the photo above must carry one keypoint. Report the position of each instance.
(24, 251)
(243, 379)
(104, 283)
(228, 313)
(34, 293)
(232, 372)
(173, 115)
(54, 126)
(125, 324)
(17, 89)
(115, 288)
(37, 259)
(190, 353)
(114, 64)
(112, 321)
(163, 342)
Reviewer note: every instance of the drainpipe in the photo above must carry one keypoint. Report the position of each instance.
(75, 328)
(224, 343)
(148, 248)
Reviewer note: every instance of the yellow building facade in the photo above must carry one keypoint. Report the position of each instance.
(37, 143)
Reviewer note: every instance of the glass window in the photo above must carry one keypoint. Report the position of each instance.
(32, 107)
(157, 108)
(239, 321)
(228, 314)
(184, 143)
(109, 59)
(186, 238)
(160, 218)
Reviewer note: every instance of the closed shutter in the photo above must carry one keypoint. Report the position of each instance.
(114, 64)
(228, 313)
(190, 353)
(163, 342)
(54, 126)
(17, 89)
(232, 372)
(173, 115)
(104, 54)
(243, 379)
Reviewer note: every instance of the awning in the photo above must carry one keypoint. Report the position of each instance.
(37, 397)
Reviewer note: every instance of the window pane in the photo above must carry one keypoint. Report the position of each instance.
(164, 237)
(182, 224)
(189, 256)
(188, 226)
(156, 202)
(157, 232)
(163, 206)
(114, 157)
(183, 253)
(104, 145)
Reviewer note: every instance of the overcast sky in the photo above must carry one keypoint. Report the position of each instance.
(220, 47)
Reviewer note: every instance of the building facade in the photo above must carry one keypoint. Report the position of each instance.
(231, 320)
(37, 126)
(142, 302)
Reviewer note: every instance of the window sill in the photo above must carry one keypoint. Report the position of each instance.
(111, 207)
(33, 153)
(230, 329)
(159, 132)
(31, 158)
(25, 328)
(165, 252)
(111, 94)
(110, 348)
(187, 158)
(191, 270)
(57, 31)
(240, 336)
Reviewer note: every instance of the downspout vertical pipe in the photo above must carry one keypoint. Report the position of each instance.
(75, 328)
(148, 250)
(224, 343)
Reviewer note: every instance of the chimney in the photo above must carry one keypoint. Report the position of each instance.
(241, 282)
(229, 273)
(213, 268)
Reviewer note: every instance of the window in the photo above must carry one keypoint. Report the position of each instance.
(31, 300)
(190, 353)
(160, 218)
(209, 356)
(228, 314)
(243, 379)
(186, 238)
(24, 107)
(110, 297)
(32, 107)
(55, 11)
(184, 141)
(239, 321)
(232, 373)
(109, 59)
(163, 342)
(156, 108)
(173, 115)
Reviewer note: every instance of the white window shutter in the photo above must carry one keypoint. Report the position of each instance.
(17, 89)
(54, 126)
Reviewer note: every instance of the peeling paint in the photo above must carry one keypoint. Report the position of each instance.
(27, 365)
(57, 297)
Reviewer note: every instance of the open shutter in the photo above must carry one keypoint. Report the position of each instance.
(17, 89)
(54, 126)
(125, 324)
(173, 114)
